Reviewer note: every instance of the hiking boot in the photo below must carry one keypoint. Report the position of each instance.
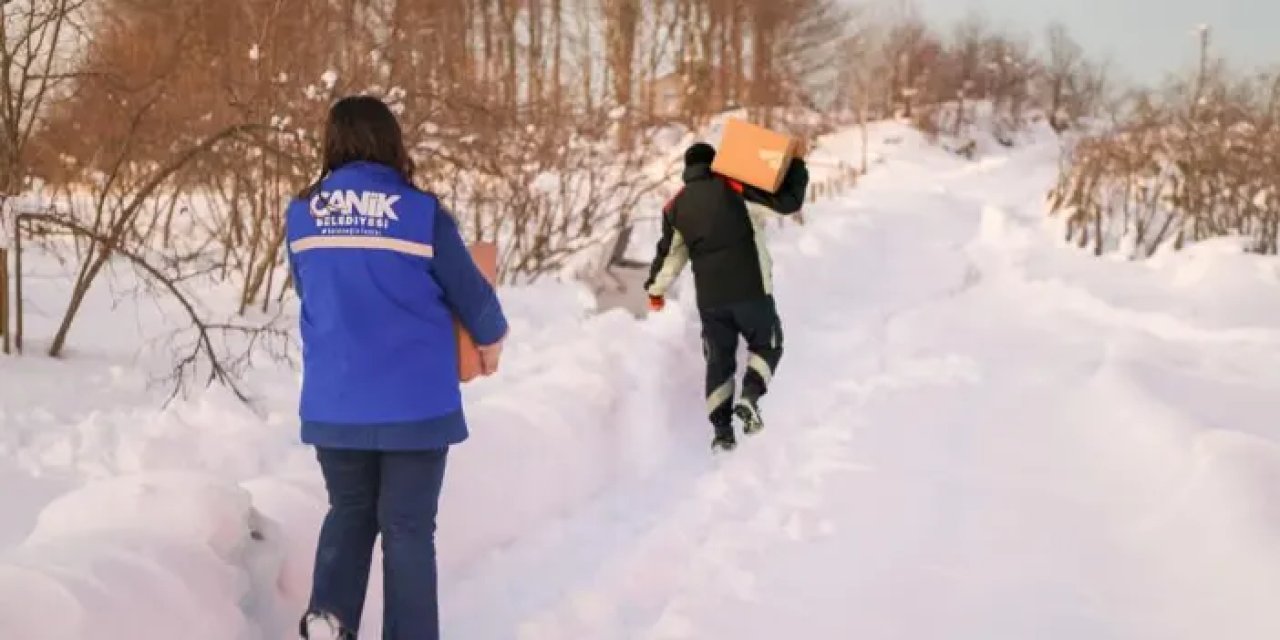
(749, 413)
(724, 439)
(323, 626)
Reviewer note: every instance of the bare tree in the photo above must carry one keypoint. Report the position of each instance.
(207, 347)
(140, 142)
(622, 23)
(862, 75)
(1064, 75)
(968, 75)
(811, 37)
(39, 41)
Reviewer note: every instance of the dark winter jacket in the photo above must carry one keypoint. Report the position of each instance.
(709, 225)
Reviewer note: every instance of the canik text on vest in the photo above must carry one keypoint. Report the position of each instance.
(350, 209)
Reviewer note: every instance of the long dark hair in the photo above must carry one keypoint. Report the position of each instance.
(361, 128)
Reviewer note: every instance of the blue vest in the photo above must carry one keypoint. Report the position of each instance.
(380, 366)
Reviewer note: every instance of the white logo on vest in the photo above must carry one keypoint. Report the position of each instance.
(348, 211)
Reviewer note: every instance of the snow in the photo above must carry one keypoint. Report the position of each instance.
(976, 432)
(546, 182)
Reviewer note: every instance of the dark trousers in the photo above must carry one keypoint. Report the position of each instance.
(395, 494)
(757, 322)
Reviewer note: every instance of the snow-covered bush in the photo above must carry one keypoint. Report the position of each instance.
(1199, 161)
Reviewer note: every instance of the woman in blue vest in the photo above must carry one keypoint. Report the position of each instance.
(381, 271)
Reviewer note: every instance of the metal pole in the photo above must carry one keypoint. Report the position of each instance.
(17, 279)
(4, 299)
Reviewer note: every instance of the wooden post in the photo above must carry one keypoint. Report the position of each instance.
(4, 299)
(17, 281)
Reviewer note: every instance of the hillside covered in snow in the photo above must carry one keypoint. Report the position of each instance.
(977, 432)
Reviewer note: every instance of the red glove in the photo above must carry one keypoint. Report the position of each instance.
(656, 303)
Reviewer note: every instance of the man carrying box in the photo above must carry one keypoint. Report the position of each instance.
(708, 224)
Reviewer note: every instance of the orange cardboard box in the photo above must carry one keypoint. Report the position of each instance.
(754, 155)
(485, 255)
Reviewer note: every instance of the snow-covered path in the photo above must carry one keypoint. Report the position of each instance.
(962, 444)
(975, 433)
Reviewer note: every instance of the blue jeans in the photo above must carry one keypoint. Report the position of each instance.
(396, 494)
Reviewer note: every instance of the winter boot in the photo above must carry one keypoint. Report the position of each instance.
(749, 413)
(323, 626)
(724, 439)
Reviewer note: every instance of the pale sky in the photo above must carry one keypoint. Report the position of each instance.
(1143, 38)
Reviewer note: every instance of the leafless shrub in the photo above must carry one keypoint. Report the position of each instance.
(203, 346)
(1196, 162)
(546, 194)
(942, 84)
